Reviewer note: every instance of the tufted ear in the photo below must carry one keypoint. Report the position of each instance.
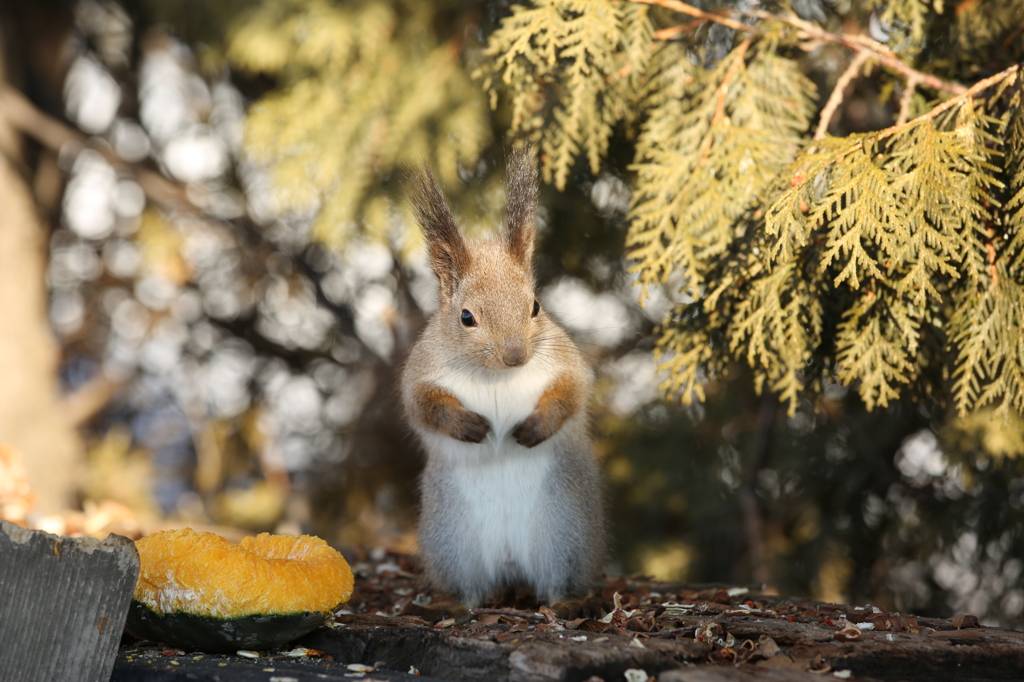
(521, 203)
(448, 253)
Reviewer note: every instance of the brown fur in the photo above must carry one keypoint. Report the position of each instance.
(559, 402)
(521, 192)
(441, 411)
(448, 252)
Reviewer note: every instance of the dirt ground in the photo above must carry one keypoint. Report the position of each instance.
(635, 630)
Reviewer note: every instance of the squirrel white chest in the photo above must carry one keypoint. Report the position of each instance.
(504, 399)
(501, 482)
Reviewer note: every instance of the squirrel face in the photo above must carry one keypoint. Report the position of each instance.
(496, 317)
(488, 307)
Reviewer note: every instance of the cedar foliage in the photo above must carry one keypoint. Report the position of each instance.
(364, 89)
(890, 261)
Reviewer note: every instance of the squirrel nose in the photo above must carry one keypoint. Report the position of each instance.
(514, 355)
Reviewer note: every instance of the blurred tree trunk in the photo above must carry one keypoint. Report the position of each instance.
(33, 416)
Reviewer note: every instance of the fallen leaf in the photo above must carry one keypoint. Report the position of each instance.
(591, 625)
(849, 634)
(548, 614)
(488, 619)
(641, 623)
(962, 620)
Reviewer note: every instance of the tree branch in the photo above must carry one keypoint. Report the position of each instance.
(56, 136)
(836, 98)
(969, 93)
(812, 34)
(91, 398)
(722, 92)
(673, 31)
(863, 44)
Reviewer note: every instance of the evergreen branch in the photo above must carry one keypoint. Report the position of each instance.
(897, 129)
(989, 365)
(813, 34)
(836, 98)
(969, 93)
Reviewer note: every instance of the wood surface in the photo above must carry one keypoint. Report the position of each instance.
(63, 604)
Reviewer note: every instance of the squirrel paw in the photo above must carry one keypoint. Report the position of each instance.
(530, 432)
(470, 428)
(441, 411)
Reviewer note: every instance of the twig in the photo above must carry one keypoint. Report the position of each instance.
(723, 89)
(674, 632)
(990, 254)
(1014, 34)
(906, 99)
(738, 55)
(836, 98)
(511, 613)
(717, 17)
(673, 31)
(861, 44)
(24, 116)
(813, 33)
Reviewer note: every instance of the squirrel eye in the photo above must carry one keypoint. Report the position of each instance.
(467, 319)
(536, 308)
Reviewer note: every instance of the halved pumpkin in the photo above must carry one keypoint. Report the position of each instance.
(200, 592)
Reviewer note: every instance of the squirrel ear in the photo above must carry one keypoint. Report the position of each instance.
(521, 202)
(448, 253)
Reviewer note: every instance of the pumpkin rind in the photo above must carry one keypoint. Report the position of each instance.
(219, 635)
(199, 591)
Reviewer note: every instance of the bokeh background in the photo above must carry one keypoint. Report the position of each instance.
(209, 277)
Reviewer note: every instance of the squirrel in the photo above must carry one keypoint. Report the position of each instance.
(497, 393)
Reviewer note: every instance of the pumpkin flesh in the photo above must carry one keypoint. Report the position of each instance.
(198, 591)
